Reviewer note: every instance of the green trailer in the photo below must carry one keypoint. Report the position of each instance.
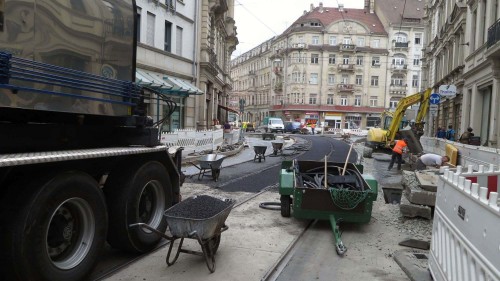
(343, 195)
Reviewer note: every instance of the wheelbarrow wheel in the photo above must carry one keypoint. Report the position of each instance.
(215, 174)
(286, 202)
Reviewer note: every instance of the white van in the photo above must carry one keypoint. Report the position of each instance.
(273, 124)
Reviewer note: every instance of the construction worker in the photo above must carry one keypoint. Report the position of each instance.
(397, 153)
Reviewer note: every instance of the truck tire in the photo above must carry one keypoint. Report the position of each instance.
(137, 195)
(286, 202)
(58, 229)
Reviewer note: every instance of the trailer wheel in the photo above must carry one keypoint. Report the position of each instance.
(286, 202)
(137, 195)
(58, 230)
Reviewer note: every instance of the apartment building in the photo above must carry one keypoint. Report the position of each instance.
(462, 50)
(183, 53)
(329, 67)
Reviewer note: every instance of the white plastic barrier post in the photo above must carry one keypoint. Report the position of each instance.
(218, 138)
(204, 140)
(466, 229)
(169, 139)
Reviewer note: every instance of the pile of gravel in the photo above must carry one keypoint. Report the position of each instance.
(198, 207)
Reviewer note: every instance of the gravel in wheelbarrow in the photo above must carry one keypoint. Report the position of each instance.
(201, 215)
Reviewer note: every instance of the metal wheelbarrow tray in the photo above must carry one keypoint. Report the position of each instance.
(347, 198)
(198, 217)
(212, 162)
(260, 152)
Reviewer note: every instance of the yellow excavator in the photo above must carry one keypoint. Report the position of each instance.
(391, 121)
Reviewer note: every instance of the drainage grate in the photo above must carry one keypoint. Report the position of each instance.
(420, 256)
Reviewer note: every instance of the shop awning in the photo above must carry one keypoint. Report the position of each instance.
(165, 84)
(228, 109)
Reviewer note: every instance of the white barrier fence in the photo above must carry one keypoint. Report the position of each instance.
(468, 154)
(355, 132)
(466, 229)
(196, 141)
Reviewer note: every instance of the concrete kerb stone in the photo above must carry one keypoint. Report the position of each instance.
(427, 180)
(411, 210)
(414, 193)
(414, 264)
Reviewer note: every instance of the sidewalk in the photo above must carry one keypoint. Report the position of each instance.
(238, 155)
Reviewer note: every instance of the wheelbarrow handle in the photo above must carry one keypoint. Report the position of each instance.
(147, 226)
(199, 167)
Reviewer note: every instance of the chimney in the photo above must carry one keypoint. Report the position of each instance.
(312, 7)
(305, 12)
(341, 7)
(372, 6)
(321, 7)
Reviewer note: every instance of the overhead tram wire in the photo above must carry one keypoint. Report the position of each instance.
(258, 19)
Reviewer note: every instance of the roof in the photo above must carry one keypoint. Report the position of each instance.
(329, 15)
(393, 9)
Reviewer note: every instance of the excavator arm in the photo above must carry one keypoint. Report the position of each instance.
(401, 108)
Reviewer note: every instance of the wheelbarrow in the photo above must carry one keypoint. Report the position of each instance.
(277, 147)
(211, 162)
(198, 217)
(260, 151)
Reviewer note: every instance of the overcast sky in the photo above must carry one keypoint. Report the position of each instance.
(259, 20)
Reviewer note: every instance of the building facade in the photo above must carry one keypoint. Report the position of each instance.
(463, 51)
(183, 50)
(339, 67)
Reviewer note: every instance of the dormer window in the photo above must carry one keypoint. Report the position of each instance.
(315, 24)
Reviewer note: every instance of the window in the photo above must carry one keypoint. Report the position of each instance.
(393, 103)
(397, 80)
(416, 59)
(361, 42)
(331, 59)
(329, 99)
(314, 58)
(332, 40)
(315, 40)
(139, 24)
(343, 100)
(375, 43)
(357, 100)
(359, 60)
(168, 36)
(345, 59)
(376, 61)
(374, 81)
(401, 38)
(347, 40)
(314, 78)
(331, 79)
(178, 41)
(359, 80)
(150, 31)
(418, 38)
(398, 60)
(312, 98)
(414, 81)
(345, 79)
(373, 100)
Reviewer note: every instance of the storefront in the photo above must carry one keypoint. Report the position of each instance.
(352, 121)
(373, 120)
(311, 118)
(333, 120)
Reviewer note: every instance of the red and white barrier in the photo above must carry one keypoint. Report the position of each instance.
(466, 229)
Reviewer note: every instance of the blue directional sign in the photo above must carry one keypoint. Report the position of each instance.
(434, 98)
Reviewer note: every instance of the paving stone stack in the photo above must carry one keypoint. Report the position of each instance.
(419, 195)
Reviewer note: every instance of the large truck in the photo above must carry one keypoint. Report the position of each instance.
(80, 160)
(392, 121)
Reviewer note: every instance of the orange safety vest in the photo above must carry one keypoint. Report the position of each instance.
(398, 148)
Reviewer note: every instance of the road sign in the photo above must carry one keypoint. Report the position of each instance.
(434, 98)
(448, 90)
(433, 109)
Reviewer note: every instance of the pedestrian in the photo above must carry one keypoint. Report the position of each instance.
(227, 127)
(430, 159)
(450, 134)
(465, 137)
(313, 126)
(441, 133)
(397, 153)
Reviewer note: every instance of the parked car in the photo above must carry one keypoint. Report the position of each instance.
(250, 128)
(292, 127)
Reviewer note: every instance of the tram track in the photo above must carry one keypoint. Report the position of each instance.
(310, 154)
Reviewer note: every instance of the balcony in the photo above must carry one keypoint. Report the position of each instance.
(399, 67)
(347, 47)
(398, 90)
(345, 67)
(401, 45)
(252, 72)
(278, 70)
(345, 88)
(493, 38)
(298, 46)
(278, 87)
